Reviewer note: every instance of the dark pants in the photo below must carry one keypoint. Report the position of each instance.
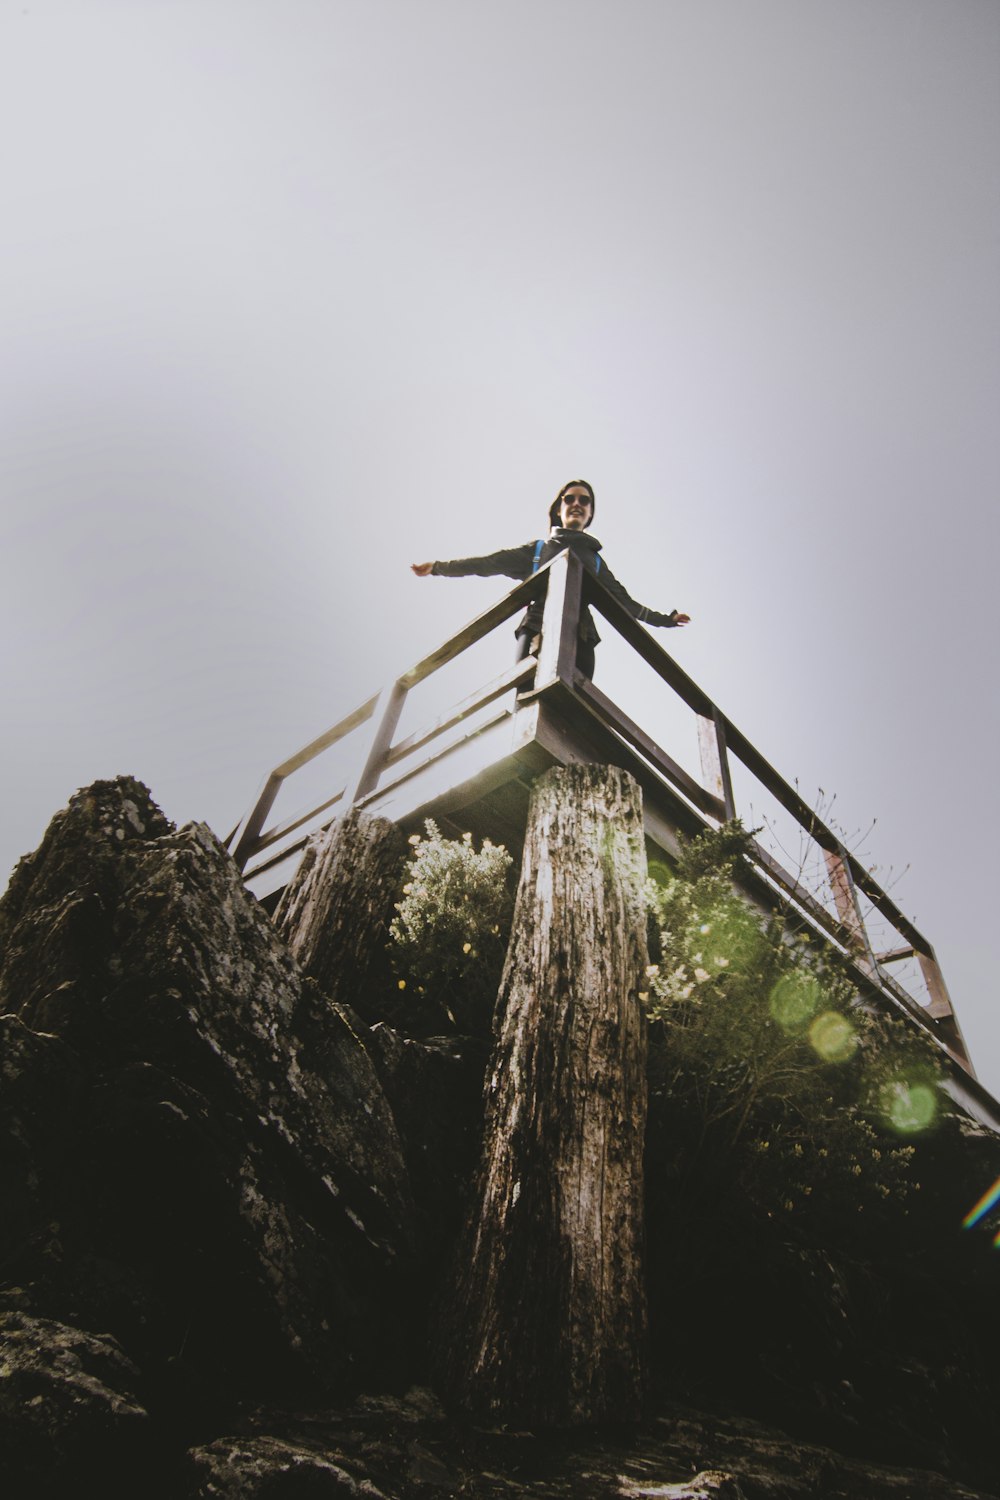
(585, 652)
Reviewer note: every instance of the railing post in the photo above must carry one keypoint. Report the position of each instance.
(244, 840)
(560, 621)
(366, 771)
(715, 760)
(941, 1010)
(845, 896)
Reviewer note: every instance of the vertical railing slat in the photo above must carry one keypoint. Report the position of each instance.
(560, 622)
(368, 767)
(714, 755)
(245, 838)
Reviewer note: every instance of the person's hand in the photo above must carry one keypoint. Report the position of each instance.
(682, 619)
(422, 570)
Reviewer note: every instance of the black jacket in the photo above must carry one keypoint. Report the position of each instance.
(518, 562)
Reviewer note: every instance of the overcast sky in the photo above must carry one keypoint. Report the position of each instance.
(296, 292)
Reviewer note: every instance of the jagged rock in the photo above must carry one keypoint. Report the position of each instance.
(204, 1160)
(232, 1196)
(335, 912)
(69, 1414)
(710, 1485)
(405, 1447)
(54, 914)
(42, 1083)
(245, 1469)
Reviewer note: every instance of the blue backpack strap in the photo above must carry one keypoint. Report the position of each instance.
(597, 562)
(538, 553)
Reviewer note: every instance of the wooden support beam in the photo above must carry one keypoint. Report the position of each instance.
(547, 1316)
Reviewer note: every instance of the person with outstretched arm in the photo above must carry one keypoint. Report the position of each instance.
(570, 515)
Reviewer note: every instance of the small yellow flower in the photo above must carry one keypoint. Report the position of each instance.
(402, 984)
(466, 947)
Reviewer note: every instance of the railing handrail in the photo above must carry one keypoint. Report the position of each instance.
(847, 874)
(663, 664)
(247, 838)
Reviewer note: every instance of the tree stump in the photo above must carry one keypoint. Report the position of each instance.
(547, 1320)
(335, 912)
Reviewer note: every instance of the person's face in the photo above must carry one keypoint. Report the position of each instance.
(575, 508)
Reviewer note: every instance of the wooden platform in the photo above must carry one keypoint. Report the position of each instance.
(472, 767)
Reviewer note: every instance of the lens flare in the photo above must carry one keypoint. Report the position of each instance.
(729, 939)
(833, 1036)
(979, 1210)
(794, 1000)
(909, 1107)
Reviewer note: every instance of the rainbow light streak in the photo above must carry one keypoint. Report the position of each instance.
(982, 1208)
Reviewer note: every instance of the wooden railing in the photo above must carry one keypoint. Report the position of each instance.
(374, 753)
(378, 763)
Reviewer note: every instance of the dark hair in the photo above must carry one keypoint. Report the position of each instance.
(571, 484)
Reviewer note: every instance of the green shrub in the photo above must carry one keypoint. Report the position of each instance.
(773, 1079)
(450, 932)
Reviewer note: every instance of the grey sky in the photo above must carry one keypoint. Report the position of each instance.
(292, 294)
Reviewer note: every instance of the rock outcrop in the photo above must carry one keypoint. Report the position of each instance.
(198, 1157)
(228, 1206)
(390, 1448)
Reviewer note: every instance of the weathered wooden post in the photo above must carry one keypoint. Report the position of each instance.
(335, 913)
(547, 1321)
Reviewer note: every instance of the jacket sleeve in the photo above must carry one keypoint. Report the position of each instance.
(640, 612)
(510, 562)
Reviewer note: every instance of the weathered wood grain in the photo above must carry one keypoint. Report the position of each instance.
(548, 1317)
(335, 914)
